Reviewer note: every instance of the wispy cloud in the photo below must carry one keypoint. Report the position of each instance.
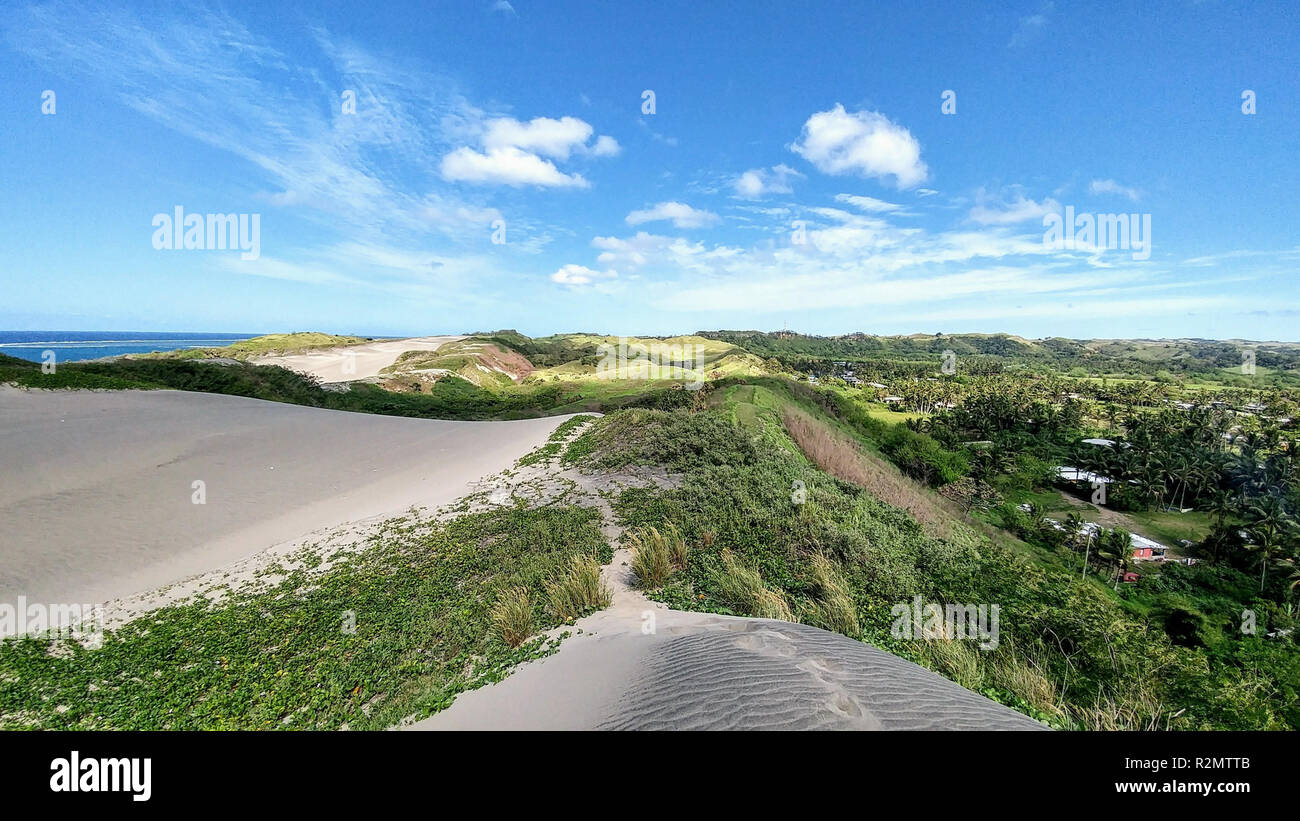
(679, 213)
(1103, 187)
(1009, 208)
(758, 182)
(1032, 26)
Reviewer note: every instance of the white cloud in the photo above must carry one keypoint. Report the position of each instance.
(862, 142)
(578, 275)
(506, 166)
(868, 203)
(605, 147)
(541, 135)
(504, 7)
(681, 215)
(1101, 187)
(997, 210)
(756, 182)
(513, 152)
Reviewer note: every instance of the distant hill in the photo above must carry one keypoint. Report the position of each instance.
(1097, 356)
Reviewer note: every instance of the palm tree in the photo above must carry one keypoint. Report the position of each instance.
(1267, 543)
(1119, 551)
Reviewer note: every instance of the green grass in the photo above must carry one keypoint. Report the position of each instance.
(1072, 652)
(554, 443)
(422, 598)
(267, 345)
(1168, 528)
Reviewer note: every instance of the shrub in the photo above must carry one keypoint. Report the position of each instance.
(513, 616)
(578, 591)
(652, 557)
(834, 608)
(742, 587)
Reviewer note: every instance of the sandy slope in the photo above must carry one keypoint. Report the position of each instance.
(640, 666)
(354, 361)
(705, 672)
(96, 487)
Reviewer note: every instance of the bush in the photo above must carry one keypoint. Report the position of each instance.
(513, 616)
(578, 591)
(742, 587)
(651, 558)
(922, 458)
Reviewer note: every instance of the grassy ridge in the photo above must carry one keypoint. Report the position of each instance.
(1071, 652)
(267, 345)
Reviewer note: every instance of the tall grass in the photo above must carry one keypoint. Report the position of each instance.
(513, 616)
(652, 557)
(843, 458)
(834, 608)
(578, 590)
(742, 587)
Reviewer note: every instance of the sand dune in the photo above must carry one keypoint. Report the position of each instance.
(639, 665)
(706, 672)
(96, 490)
(354, 361)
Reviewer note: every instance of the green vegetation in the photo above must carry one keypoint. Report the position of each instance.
(268, 345)
(656, 555)
(1074, 651)
(554, 442)
(818, 502)
(436, 609)
(578, 591)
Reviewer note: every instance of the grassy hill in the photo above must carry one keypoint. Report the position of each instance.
(267, 345)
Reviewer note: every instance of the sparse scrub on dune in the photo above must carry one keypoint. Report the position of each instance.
(652, 557)
(513, 616)
(440, 607)
(578, 591)
(743, 588)
(834, 608)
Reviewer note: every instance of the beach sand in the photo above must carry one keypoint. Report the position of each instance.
(353, 362)
(96, 491)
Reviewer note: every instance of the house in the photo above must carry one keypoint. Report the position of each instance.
(1073, 474)
(1129, 577)
(877, 385)
(893, 400)
(1145, 550)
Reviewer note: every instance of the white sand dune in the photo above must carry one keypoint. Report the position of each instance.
(638, 665)
(353, 362)
(706, 672)
(96, 487)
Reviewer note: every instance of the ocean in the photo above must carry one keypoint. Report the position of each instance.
(73, 346)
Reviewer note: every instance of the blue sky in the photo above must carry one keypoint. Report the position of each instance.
(798, 168)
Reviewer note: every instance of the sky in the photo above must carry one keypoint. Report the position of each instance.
(654, 168)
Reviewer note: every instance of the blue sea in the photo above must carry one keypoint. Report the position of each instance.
(72, 346)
